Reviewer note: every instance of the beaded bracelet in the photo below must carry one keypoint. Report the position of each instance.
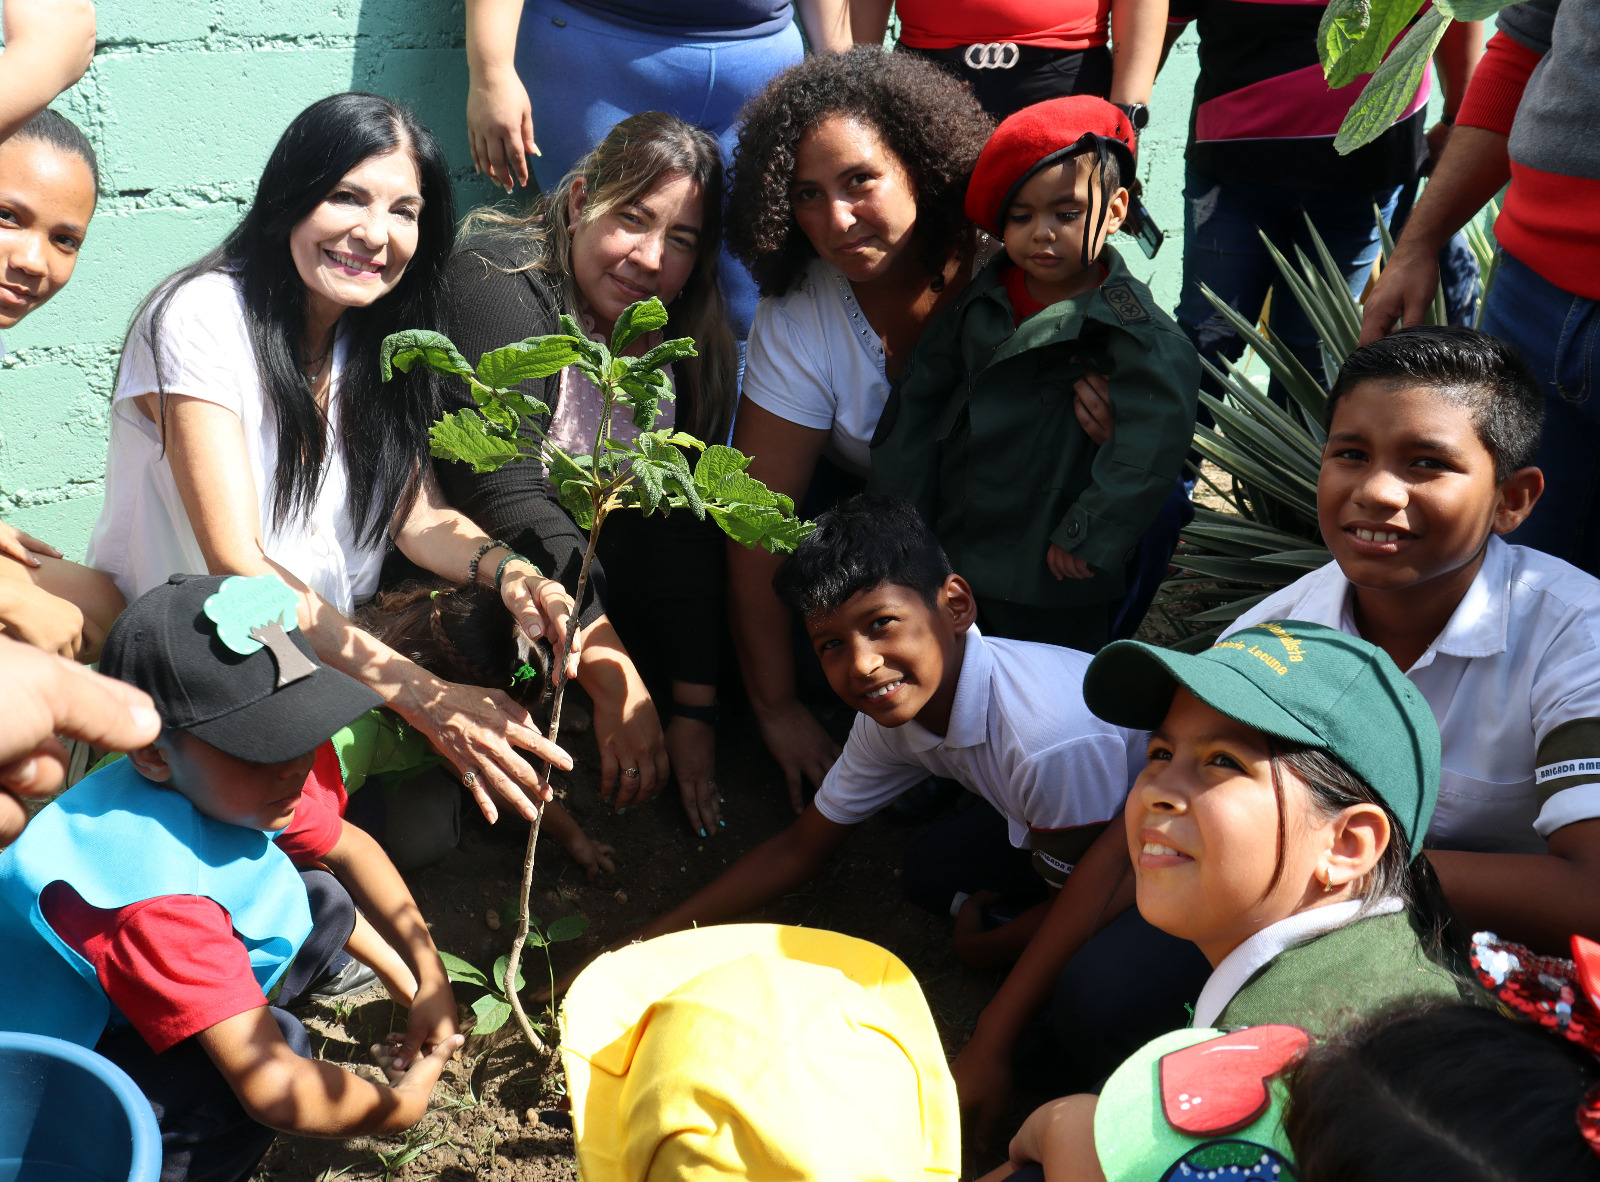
(472, 567)
(500, 571)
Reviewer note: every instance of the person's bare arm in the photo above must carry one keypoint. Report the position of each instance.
(1138, 46)
(774, 868)
(978, 949)
(827, 24)
(499, 114)
(1474, 167)
(478, 730)
(1099, 889)
(49, 44)
(1455, 60)
(36, 617)
(785, 458)
(869, 21)
(310, 1098)
(94, 596)
(1539, 900)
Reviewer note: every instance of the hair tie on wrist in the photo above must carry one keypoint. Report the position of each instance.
(472, 567)
(500, 571)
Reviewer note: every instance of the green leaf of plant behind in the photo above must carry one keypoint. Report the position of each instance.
(500, 973)
(1344, 22)
(402, 350)
(1392, 85)
(666, 353)
(568, 927)
(1388, 19)
(468, 439)
(1470, 10)
(492, 1014)
(636, 320)
(534, 358)
(459, 970)
(644, 390)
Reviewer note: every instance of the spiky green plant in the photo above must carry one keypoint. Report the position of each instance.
(1268, 456)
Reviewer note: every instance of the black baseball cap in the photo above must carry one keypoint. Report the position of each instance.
(166, 645)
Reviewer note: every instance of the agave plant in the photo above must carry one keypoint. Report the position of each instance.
(1263, 458)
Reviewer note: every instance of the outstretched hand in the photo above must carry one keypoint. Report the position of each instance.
(1402, 295)
(500, 129)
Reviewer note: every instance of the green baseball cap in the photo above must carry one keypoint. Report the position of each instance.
(1302, 683)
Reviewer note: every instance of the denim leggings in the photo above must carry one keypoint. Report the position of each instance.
(585, 74)
(1558, 334)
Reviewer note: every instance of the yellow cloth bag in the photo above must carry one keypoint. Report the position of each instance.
(756, 1051)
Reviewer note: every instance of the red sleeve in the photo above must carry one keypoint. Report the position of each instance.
(1497, 84)
(314, 830)
(172, 965)
(326, 780)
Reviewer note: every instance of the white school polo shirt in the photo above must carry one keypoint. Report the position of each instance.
(1020, 736)
(1514, 682)
(813, 359)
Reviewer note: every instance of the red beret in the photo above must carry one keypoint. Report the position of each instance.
(1036, 137)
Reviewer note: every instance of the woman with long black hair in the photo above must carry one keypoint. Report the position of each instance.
(252, 434)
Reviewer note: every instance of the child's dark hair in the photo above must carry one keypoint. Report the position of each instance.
(861, 543)
(1332, 787)
(51, 127)
(460, 632)
(1467, 368)
(1441, 1092)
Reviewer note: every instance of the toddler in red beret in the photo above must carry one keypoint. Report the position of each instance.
(1040, 516)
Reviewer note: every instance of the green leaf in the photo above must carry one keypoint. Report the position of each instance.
(1392, 85)
(1344, 22)
(664, 469)
(402, 350)
(1387, 19)
(509, 910)
(536, 938)
(665, 354)
(1470, 10)
(492, 1014)
(500, 973)
(459, 970)
(636, 320)
(568, 927)
(594, 359)
(468, 439)
(536, 357)
(644, 391)
(574, 496)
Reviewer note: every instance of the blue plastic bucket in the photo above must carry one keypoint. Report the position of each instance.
(68, 1115)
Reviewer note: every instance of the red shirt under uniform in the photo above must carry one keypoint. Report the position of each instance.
(172, 965)
(940, 24)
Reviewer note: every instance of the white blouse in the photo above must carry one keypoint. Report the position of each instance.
(143, 534)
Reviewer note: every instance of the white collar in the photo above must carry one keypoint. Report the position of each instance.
(1477, 628)
(969, 711)
(1261, 949)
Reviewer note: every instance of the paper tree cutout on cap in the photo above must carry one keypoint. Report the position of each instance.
(254, 612)
(1220, 1085)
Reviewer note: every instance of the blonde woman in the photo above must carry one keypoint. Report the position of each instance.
(639, 216)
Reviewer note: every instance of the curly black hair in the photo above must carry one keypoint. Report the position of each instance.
(927, 116)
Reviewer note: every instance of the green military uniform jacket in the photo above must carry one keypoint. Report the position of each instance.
(1349, 974)
(980, 434)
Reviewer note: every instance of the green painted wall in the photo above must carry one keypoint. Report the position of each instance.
(184, 101)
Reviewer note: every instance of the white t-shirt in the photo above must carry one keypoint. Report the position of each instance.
(813, 359)
(1020, 736)
(144, 534)
(1519, 658)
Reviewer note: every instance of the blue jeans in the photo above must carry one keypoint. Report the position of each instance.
(585, 74)
(1222, 249)
(1557, 333)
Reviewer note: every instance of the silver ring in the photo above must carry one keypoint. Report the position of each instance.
(469, 780)
(630, 772)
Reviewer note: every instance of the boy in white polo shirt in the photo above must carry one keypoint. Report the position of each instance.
(1432, 434)
(893, 628)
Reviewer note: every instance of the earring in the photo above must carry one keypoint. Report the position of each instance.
(1327, 882)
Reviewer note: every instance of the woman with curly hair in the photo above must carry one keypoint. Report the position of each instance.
(846, 205)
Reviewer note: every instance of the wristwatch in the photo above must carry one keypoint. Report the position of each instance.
(1138, 114)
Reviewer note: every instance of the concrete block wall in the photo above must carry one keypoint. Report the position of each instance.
(184, 102)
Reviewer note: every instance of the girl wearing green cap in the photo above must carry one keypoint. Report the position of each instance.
(1293, 771)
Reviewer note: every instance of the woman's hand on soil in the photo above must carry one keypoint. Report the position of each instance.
(541, 607)
(478, 730)
(983, 1087)
(802, 748)
(692, 748)
(24, 547)
(500, 128)
(594, 856)
(628, 732)
(1064, 565)
(1091, 402)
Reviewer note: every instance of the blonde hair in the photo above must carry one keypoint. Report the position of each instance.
(623, 167)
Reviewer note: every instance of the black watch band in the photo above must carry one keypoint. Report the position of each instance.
(1138, 114)
(706, 714)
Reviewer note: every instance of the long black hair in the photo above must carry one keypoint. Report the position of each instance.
(383, 429)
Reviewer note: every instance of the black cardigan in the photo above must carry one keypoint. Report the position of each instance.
(491, 307)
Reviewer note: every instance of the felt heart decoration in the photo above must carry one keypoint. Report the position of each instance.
(1220, 1085)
